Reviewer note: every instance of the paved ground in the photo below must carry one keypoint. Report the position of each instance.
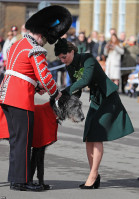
(66, 163)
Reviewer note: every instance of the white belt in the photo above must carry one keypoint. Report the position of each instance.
(21, 76)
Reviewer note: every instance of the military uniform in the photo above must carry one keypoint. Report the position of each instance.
(107, 118)
(25, 66)
(25, 57)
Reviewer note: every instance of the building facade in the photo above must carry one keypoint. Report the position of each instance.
(16, 12)
(88, 15)
(101, 15)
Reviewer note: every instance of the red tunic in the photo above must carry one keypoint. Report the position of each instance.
(45, 125)
(28, 58)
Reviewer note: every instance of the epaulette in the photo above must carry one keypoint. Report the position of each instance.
(36, 50)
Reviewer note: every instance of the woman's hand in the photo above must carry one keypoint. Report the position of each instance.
(107, 45)
(112, 46)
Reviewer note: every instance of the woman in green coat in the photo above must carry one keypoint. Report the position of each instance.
(107, 118)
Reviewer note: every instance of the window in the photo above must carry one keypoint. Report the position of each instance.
(122, 4)
(108, 18)
(96, 15)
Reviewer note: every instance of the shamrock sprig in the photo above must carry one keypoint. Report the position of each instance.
(78, 74)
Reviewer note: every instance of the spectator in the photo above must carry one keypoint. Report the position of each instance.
(131, 50)
(72, 35)
(1, 56)
(1, 66)
(112, 31)
(98, 49)
(133, 82)
(113, 50)
(1, 42)
(7, 44)
(72, 38)
(81, 43)
(14, 29)
(92, 40)
(22, 33)
(64, 78)
(94, 36)
(122, 38)
(52, 60)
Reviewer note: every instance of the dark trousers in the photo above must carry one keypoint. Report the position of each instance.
(20, 125)
(124, 79)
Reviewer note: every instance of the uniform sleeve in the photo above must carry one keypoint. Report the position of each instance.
(43, 75)
(86, 77)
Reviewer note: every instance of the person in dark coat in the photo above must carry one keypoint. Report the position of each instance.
(98, 49)
(81, 43)
(107, 118)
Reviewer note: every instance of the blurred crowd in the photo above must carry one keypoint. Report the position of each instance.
(5, 44)
(118, 56)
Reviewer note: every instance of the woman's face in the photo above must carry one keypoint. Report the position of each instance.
(67, 58)
(113, 39)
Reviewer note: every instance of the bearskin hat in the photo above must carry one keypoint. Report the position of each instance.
(52, 22)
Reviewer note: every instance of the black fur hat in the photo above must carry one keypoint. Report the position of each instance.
(52, 22)
(61, 47)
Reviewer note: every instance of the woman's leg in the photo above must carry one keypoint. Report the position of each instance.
(94, 153)
(89, 151)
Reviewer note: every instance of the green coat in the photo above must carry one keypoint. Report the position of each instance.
(107, 118)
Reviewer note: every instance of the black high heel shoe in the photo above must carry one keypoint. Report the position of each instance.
(96, 184)
(81, 185)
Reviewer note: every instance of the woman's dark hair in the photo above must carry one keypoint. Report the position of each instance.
(63, 46)
(117, 40)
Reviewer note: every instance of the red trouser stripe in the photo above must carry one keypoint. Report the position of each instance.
(27, 150)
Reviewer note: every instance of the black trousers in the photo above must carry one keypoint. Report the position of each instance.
(20, 125)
